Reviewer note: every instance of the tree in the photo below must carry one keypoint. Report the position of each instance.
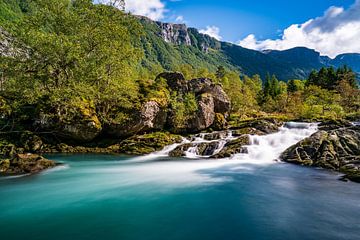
(75, 48)
(220, 72)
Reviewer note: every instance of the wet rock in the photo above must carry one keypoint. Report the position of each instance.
(207, 148)
(148, 143)
(25, 163)
(258, 127)
(234, 147)
(215, 135)
(180, 150)
(337, 149)
(334, 124)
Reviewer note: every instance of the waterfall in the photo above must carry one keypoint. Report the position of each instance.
(262, 149)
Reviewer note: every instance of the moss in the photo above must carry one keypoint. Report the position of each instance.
(4, 165)
(220, 122)
(148, 143)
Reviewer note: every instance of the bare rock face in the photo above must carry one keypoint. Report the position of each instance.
(336, 149)
(175, 33)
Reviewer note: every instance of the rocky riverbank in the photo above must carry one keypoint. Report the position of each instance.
(336, 146)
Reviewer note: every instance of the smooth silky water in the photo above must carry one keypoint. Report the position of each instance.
(249, 196)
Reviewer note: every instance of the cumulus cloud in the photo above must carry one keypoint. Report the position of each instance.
(153, 9)
(212, 31)
(336, 32)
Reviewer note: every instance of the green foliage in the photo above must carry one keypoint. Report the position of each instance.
(328, 78)
(75, 48)
(183, 108)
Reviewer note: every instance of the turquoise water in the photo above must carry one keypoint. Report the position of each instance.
(115, 197)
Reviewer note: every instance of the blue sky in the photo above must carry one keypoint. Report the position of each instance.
(238, 18)
(331, 27)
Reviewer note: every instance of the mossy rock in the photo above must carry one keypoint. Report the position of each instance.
(180, 150)
(148, 143)
(25, 163)
(234, 147)
(220, 122)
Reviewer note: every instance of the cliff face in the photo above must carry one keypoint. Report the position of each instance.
(174, 33)
(180, 34)
(6, 48)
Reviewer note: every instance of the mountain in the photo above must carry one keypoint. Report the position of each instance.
(169, 45)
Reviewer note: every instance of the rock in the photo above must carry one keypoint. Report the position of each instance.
(205, 115)
(180, 150)
(202, 149)
(150, 117)
(220, 122)
(81, 125)
(175, 80)
(207, 148)
(222, 103)
(31, 142)
(258, 127)
(153, 117)
(336, 149)
(247, 130)
(25, 163)
(148, 143)
(200, 85)
(334, 124)
(234, 147)
(215, 135)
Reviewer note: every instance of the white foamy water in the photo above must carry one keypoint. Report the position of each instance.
(194, 169)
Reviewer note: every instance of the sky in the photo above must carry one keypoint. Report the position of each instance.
(331, 27)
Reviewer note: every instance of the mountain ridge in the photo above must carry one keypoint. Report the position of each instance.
(287, 64)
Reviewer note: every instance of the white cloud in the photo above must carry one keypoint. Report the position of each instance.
(212, 31)
(336, 32)
(180, 19)
(153, 9)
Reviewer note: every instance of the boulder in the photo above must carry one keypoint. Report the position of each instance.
(81, 124)
(220, 122)
(222, 103)
(336, 149)
(207, 148)
(175, 80)
(258, 127)
(148, 143)
(25, 163)
(334, 124)
(234, 147)
(180, 150)
(200, 85)
(215, 135)
(205, 115)
(150, 117)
